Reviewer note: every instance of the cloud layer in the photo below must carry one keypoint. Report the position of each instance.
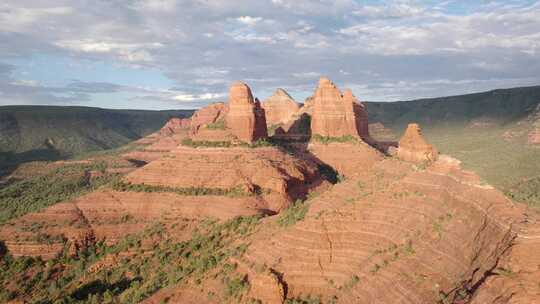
(391, 50)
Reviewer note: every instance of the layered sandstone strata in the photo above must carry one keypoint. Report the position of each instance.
(414, 148)
(280, 177)
(213, 113)
(279, 108)
(157, 144)
(112, 215)
(422, 232)
(336, 114)
(246, 118)
(175, 125)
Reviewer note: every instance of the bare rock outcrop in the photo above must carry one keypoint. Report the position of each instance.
(336, 114)
(208, 115)
(279, 177)
(279, 108)
(246, 117)
(422, 232)
(175, 125)
(414, 148)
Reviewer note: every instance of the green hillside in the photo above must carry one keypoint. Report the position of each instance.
(73, 130)
(486, 131)
(503, 105)
(49, 132)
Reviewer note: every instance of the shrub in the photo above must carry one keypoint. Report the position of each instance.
(236, 286)
(191, 191)
(293, 214)
(205, 143)
(42, 191)
(328, 139)
(218, 125)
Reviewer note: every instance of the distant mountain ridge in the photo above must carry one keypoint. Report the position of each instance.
(503, 105)
(74, 130)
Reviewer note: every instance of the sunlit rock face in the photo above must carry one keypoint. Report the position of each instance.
(414, 148)
(246, 118)
(335, 114)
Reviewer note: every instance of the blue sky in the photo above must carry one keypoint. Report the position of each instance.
(175, 54)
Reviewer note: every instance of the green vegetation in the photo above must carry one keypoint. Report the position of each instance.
(195, 191)
(69, 131)
(235, 286)
(498, 151)
(61, 184)
(304, 300)
(132, 279)
(328, 139)
(205, 143)
(293, 214)
(225, 144)
(527, 191)
(218, 125)
(259, 143)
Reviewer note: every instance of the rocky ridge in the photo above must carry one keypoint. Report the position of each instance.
(434, 232)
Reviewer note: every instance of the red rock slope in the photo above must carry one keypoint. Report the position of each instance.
(392, 235)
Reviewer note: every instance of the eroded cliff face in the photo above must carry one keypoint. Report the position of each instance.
(337, 115)
(280, 108)
(245, 118)
(414, 148)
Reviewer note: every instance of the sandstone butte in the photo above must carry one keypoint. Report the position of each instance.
(433, 233)
(246, 118)
(414, 148)
(279, 108)
(335, 114)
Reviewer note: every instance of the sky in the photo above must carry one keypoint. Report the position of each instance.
(184, 54)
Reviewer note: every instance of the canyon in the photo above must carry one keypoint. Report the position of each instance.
(339, 215)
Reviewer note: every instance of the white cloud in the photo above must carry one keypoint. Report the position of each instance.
(395, 10)
(131, 52)
(248, 20)
(193, 97)
(201, 46)
(306, 75)
(156, 5)
(14, 18)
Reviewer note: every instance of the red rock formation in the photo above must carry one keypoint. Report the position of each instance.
(414, 148)
(534, 137)
(263, 168)
(175, 125)
(360, 117)
(279, 108)
(159, 143)
(421, 232)
(210, 114)
(245, 118)
(337, 115)
(347, 159)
